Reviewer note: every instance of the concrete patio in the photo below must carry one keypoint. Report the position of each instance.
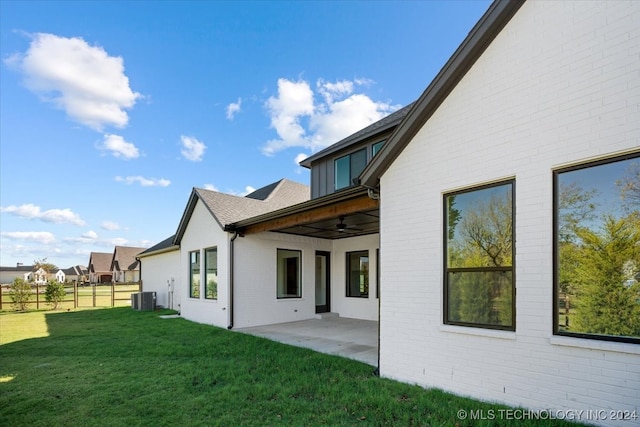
(352, 338)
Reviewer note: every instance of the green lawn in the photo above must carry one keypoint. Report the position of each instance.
(117, 367)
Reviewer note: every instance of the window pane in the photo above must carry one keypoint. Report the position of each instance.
(376, 147)
(478, 236)
(342, 166)
(211, 267)
(358, 163)
(482, 298)
(479, 228)
(194, 274)
(598, 255)
(289, 274)
(358, 274)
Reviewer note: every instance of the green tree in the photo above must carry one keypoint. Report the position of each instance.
(20, 293)
(484, 239)
(54, 293)
(46, 266)
(605, 303)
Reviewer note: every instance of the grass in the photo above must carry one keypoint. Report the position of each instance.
(117, 366)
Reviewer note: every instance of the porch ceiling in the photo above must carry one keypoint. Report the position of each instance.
(356, 224)
(355, 212)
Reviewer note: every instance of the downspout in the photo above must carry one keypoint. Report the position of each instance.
(374, 193)
(231, 268)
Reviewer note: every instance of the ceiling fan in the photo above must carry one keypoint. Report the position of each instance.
(342, 227)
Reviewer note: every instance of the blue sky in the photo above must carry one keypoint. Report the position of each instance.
(111, 112)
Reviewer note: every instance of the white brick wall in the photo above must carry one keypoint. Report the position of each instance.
(157, 272)
(559, 85)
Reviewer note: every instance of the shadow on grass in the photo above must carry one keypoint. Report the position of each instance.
(124, 367)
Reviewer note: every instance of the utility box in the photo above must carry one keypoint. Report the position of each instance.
(135, 301)
(147, 301)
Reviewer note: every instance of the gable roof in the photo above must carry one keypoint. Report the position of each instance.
(124, 258)
(227, 208)
(479, 38)
(373, 129)
(100, 261)
(164, 246)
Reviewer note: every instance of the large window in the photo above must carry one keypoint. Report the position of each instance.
(479, 254)
(349, 167)
(289, 281)
(597, 250)
(194, 274)
(358, 274)
(211, 269)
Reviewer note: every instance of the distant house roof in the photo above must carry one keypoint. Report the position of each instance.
(19, 268)
(76, 270)
(472, 47)
(373, 129)
(164, 246)
(124, 258)
(227, 208)
(100, 262)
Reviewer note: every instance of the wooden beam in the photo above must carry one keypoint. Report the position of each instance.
(346, 207)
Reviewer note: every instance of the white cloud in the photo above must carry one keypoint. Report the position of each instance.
(248, 189)
(43, 237)
(110, 225)
(57, 216)
(300, 157)
(339, 113)
(90, 235)
(192, 149)
(83, 80)
(145, 182)
(233, 108)
(119, 147)
(210, 187)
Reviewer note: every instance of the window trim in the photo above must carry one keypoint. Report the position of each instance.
(446, 269)
(377, 144)
(348, 274)
(206, 267)
(556, 252)
(191, 287)
(299, 284)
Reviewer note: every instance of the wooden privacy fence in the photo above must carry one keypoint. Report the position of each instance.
(91, 295)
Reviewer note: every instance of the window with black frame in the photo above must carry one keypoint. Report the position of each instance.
(289, 273)
(211, 269)
(358, 274)
(479, 253)
(349, 167)
(194, 274)
(597, 250)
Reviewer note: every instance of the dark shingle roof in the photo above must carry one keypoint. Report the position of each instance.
(387, 122)
(165, 244)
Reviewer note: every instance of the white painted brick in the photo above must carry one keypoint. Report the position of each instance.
(560, 84)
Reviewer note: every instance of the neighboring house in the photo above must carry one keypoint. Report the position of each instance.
(40, 276)
(9, 274)
(160, 272)
(76, 274)
(100, 267)
(493, 191)
(60, 276)
(124, 265)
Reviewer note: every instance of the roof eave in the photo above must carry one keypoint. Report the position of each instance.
(293, 209)
(479, 38)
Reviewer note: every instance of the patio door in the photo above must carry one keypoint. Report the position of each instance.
(322, 282)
